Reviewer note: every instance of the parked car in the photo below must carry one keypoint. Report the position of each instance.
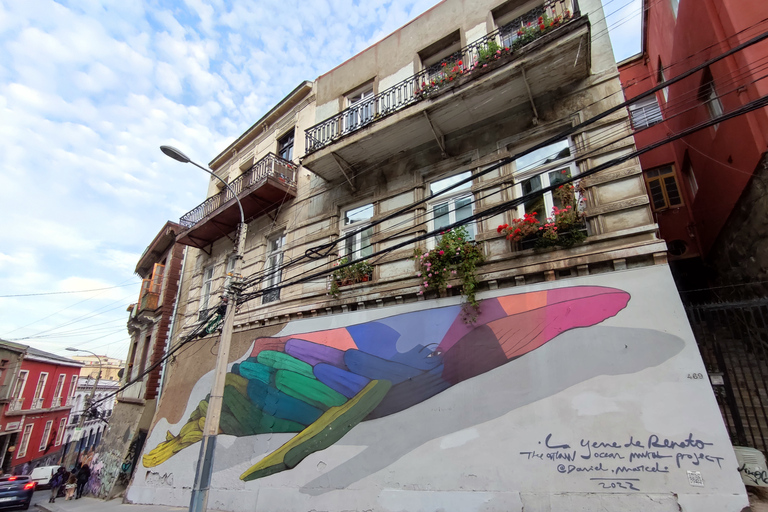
(16, 491)
(42, 475)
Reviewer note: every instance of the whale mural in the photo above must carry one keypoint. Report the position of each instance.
(320, 385)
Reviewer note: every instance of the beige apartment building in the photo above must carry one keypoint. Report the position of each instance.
(475, 113)
(110, 367)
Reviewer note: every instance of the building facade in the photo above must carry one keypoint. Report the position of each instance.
(88, 437)
(35, 417)
(708, 189)
(423, 276)
(696, 182)
(110, 367)
(149, 324)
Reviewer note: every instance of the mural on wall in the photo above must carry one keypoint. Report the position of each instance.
(321, 384)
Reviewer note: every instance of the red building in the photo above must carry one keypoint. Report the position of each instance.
(38, 394)
(695, 182)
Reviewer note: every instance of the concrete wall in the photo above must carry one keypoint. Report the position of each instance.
(600, 401)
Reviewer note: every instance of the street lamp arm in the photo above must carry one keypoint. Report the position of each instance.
(181, 157)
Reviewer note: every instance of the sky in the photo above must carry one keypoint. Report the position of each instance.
(90, 89)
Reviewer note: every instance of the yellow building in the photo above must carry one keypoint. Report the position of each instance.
(109, 367)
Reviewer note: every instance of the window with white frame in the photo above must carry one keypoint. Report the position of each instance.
(205, 292)
(273, 270)
(24, 444)
(37, 402)
(660, 78)
(62, 429)
(708, 94)
(645, 113)
(538, 170)
(72, 387)
(21, 382)
(358, 246)
(58, 391)
(360, 107)
(46, 435)
(450, 207)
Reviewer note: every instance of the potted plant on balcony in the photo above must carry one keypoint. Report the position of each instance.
(454, 257)
(358, 272)
(564, 228)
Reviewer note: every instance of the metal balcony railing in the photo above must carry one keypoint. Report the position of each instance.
(56, 402)
(70, 401)
(16, 404)
(269, 166)
(506, 40)
(37, 403)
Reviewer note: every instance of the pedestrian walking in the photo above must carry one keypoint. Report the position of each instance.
(82, 478)
(59, 479)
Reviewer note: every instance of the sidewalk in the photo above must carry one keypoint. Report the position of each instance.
(87, 504)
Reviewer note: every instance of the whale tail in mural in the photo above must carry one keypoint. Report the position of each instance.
(321, 384)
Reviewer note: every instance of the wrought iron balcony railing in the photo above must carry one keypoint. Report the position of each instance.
(37, 403)
(506, 40)
(16, 404)
(271, 166)
(56, 402)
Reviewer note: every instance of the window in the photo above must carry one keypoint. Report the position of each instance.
(452, 206)
(645, 113)
(693, 185)
(62, 429)
(24, 441)
(708, 95)
(72, 387)
(21, 382)
(205, 293)
(360, 108)
(273, 271)
(434, 54)
(59, 390)
(663, 189)
(540, 169)
(660, 78)
(508, 18)
(285, 146)
(358, 246)
(46, 435)
(37, 402)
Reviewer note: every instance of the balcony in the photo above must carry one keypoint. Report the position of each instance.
(70, 401)
(468, 89)
(15, 404)
(37, 403)
(262, 188)
(56, 402)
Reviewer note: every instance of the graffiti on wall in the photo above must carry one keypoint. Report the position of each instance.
(321, 384)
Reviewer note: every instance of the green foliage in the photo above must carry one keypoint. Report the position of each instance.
(454, 257)
(357, 272)
(488, 52)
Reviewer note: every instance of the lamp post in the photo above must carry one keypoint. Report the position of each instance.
(88, 403)
(199, 500)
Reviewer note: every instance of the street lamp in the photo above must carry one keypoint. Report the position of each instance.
(87, 404)
(204, 470)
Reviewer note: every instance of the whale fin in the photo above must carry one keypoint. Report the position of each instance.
(329, 428)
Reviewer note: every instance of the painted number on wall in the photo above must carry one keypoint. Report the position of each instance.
(696, 376)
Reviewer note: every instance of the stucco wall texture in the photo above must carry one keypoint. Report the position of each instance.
(605, 407)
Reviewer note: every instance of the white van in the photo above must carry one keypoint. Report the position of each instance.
(42, 475)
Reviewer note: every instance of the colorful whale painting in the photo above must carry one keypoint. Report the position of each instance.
(321, 384)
